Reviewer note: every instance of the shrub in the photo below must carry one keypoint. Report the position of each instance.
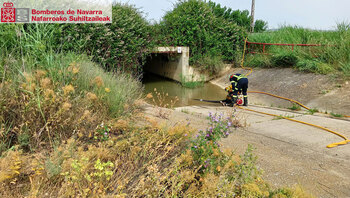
(260, 26)
(258, 61)
(121, 45)
(241, 18)
(314, 66)
(38, 41)
(40, 105)
(284, 59)
(211, 65)
(192, 23)
(332, 57)
(345, 68)
(8, 38)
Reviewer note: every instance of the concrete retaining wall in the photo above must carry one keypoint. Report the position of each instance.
(173, 63)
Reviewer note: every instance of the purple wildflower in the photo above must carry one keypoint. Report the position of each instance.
(229, 124)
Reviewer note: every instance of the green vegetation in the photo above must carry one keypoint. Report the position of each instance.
(280, 117)
(146, 161)
(215, 34)
(68, 128)
(210, 65)
(295, 107)
(122, 45)
(332, 57)
(241, 18)
(193, 23)
(53, 99)
(337, 115)
(312, 111)
(190, 83)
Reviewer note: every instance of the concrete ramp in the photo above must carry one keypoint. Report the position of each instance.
(291, 153)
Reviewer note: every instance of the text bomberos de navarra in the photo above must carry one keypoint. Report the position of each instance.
(54, 18)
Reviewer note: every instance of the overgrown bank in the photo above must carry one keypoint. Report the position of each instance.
(331, 57)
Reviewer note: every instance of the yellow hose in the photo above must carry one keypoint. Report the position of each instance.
(306, 123)
(346, 140)
(276, 96)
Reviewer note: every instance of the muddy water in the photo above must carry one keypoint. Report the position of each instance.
(185, 95)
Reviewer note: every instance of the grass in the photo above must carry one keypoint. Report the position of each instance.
(295, 107)
(336, 115)
(69, 129)
(333, 57)
(190, 83)
(48, 101)
(210, 64)
(152, 160)
(312, 111)
(282, 117)
(63, 139)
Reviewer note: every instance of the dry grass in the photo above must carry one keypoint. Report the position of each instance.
(60, 138)
(161, 102)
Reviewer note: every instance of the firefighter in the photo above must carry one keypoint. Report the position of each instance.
(228, 100)
(239, 84)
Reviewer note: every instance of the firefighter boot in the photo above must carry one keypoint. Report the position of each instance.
(245, 102)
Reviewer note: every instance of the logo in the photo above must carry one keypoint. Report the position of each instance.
(8, 13)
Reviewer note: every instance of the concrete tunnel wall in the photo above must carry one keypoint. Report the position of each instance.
(173, 63)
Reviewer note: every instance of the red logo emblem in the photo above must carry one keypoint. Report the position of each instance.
(8, 13)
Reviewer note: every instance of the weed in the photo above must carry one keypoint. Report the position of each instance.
(102, 132)
(41, 106)
(312, 111)
(337, 115)
(210, 64)
(205, 148)
(331, 58)
(282, 117)
(247, 171)
(258, 61)
(284, 59)
(324, 91)
(190, 83)
(162, 102)
(295, 107)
